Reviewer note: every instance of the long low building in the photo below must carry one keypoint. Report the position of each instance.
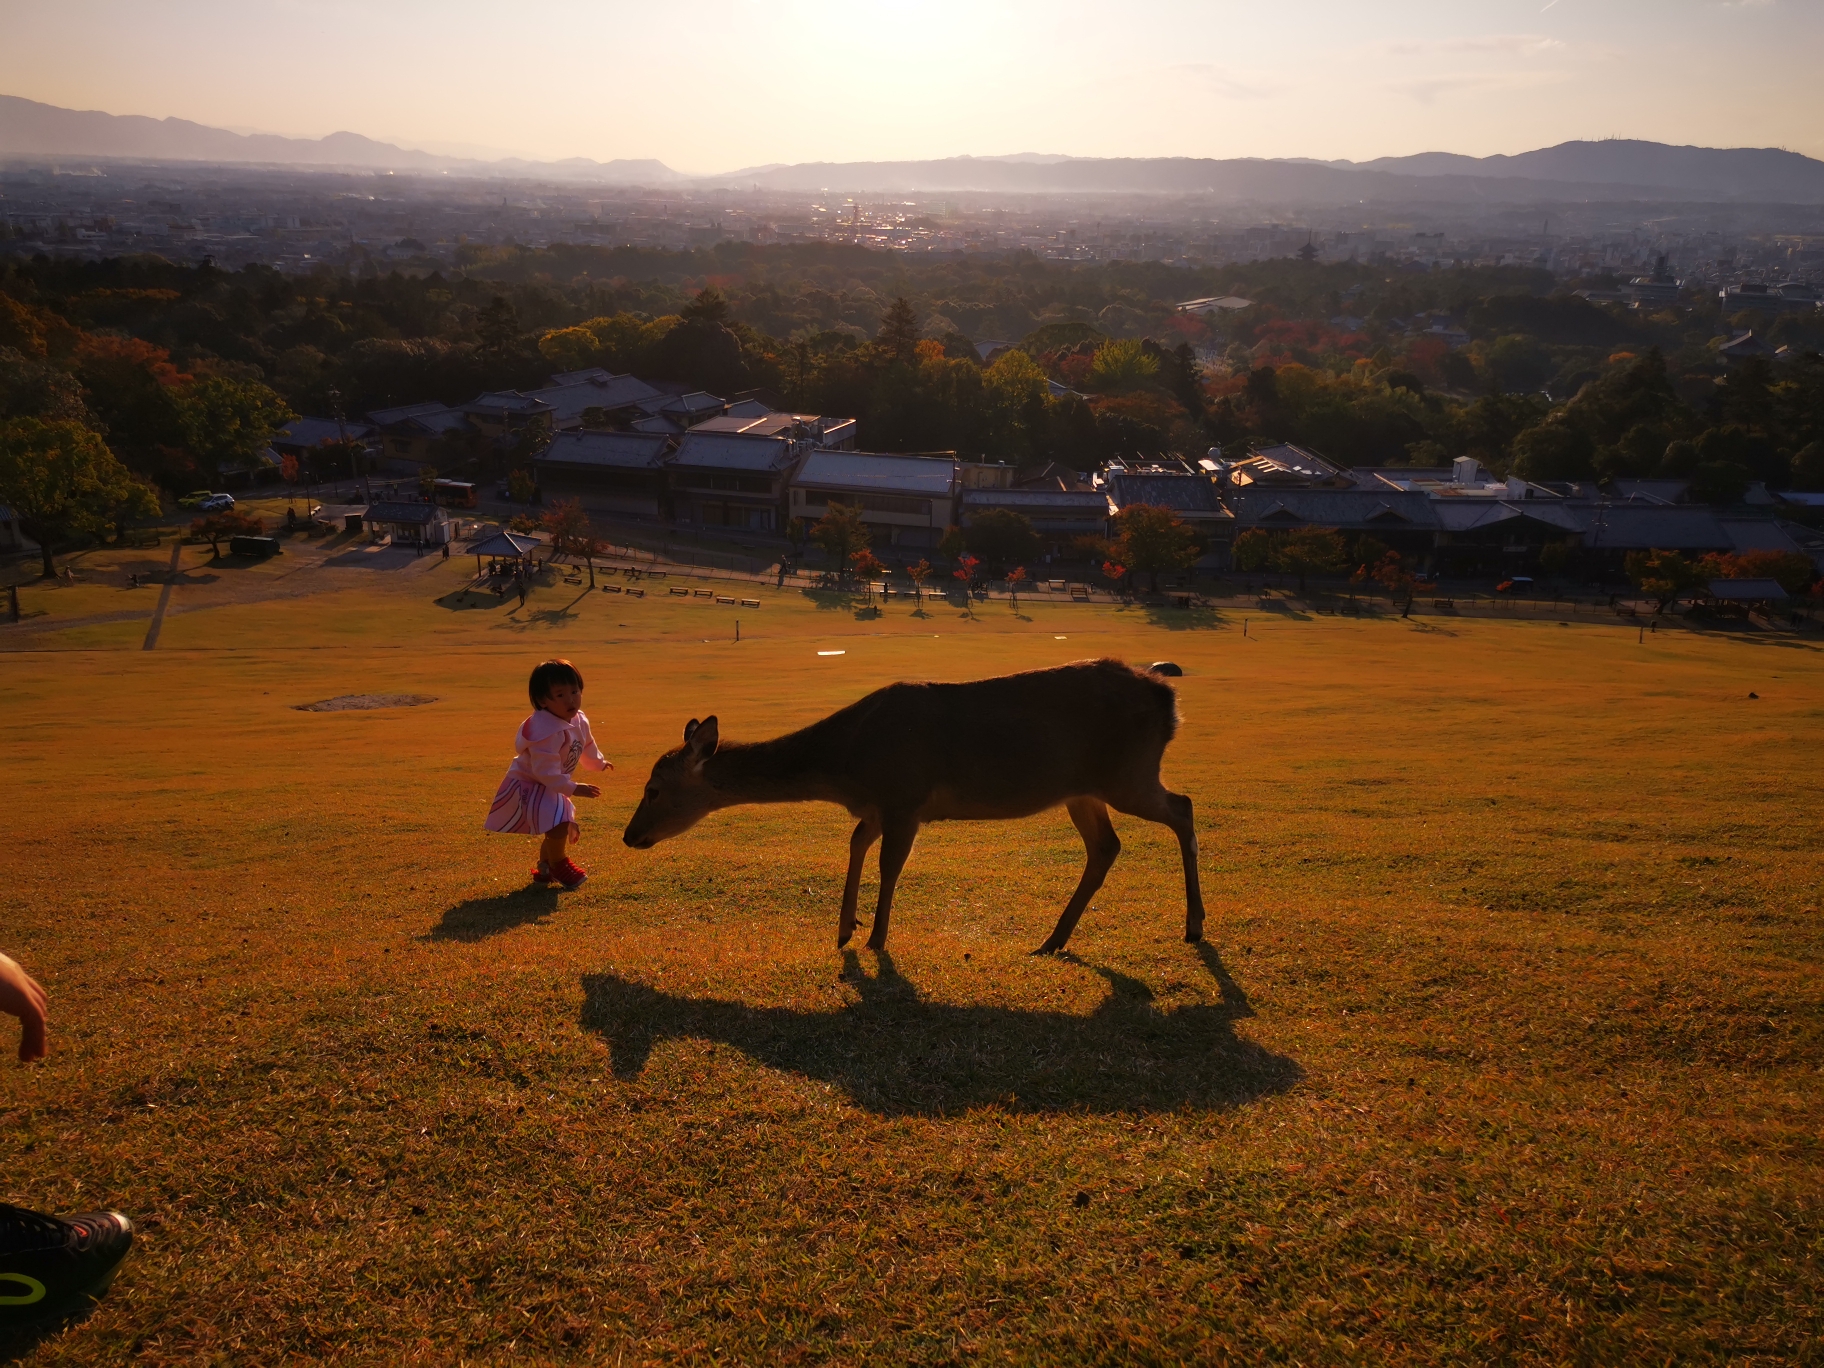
(725, 479)
(904, 500)
(1059, 516)
(617, 472)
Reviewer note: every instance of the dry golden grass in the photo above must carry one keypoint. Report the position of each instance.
(1505, 1047)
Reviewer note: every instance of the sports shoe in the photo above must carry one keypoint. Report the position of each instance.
(569, 873)
(45, 1263)
(541, 873)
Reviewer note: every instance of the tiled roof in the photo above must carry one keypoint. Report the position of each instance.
(310, 432)
(1757, 534)
(1747, 590)
(862, 470)
(606, 450)
(733, 451)
(1193, 494)
(1385, 507)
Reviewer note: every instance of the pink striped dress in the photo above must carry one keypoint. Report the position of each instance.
(535, 795)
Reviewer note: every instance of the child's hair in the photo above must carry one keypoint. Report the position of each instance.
(550, 673)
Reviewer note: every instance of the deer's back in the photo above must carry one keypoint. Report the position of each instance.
(1006, 746)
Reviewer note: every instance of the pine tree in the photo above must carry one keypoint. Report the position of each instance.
(899, 330)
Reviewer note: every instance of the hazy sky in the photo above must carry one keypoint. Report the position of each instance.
(712, 85)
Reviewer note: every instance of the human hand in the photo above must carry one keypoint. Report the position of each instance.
(21, 996)
(588, 790)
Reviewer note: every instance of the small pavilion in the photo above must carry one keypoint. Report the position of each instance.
(503, 545)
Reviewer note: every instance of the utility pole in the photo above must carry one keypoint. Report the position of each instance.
(367, 492)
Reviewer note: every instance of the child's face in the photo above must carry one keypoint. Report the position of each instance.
(563, 700)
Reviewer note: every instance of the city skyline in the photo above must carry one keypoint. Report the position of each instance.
(713, 86)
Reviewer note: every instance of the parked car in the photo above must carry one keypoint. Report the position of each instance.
(1519, 584)
(216, 503)
(193, 498)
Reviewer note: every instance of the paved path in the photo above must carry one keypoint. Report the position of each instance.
(164, 596)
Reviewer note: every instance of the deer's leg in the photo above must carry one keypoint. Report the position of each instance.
(1101, 845)
(1174, 810)
(897, 835)
(864, 836)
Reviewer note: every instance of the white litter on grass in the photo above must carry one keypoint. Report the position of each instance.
(832, 653)
(1060, 638)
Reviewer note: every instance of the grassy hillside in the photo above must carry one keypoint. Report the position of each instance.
(1505, 1044)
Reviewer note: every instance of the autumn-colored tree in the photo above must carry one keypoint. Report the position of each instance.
(1015, 578)
(841, 533)
(1393, 576)
(919, 574)
(1154, 539)
(966, 566)
(1308, 551)
(1792, 569)
(1122, 365)
(1252, 548)
(866, 565)
(1115, 573)
(215, 528)
(61, 481)
(567, 523)
(1662, 575)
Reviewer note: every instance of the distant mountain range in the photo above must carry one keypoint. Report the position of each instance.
(1576, 171)
(31, 129)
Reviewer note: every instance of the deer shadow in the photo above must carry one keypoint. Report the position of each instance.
(479, 918)
(896, 1054)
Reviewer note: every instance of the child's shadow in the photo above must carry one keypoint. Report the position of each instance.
(479, 918)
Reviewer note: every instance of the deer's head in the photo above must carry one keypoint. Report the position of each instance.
(677, 795)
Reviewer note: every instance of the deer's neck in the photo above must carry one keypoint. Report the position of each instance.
(787, 769)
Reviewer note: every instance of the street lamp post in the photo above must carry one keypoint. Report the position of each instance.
(360, 472)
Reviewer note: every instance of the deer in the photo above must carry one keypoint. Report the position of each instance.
(1088, 736)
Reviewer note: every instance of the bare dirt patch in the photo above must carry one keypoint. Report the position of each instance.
(363, 702)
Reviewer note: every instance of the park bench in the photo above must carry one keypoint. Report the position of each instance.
(1444, 603)
(1180, 600)
(611, 588)
(750, 603)
(636, 593)
(1080, 592)
(1626, 610)
(728, 601)
(680, 591)
(650, 574)
(1055, 585)
(703, 593)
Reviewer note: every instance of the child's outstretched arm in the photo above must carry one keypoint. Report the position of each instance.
(592, 757)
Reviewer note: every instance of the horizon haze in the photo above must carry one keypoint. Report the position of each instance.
(812, 81)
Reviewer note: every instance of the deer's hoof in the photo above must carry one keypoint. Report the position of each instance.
(1048, 949)
(1193, 934)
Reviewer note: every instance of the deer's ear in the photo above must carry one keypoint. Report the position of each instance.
(701, 738)
(690, 729)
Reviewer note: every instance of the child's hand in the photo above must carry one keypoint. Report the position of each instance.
(588, 790)
(21, 996)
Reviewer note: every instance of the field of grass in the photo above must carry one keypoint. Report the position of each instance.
(1505, 1045)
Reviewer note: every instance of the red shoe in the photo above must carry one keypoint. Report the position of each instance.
(541, 873)
(568, 873)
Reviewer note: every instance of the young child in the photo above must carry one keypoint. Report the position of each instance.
(534, 798)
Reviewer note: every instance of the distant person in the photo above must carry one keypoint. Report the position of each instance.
(534, 798)
(47, 1263)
